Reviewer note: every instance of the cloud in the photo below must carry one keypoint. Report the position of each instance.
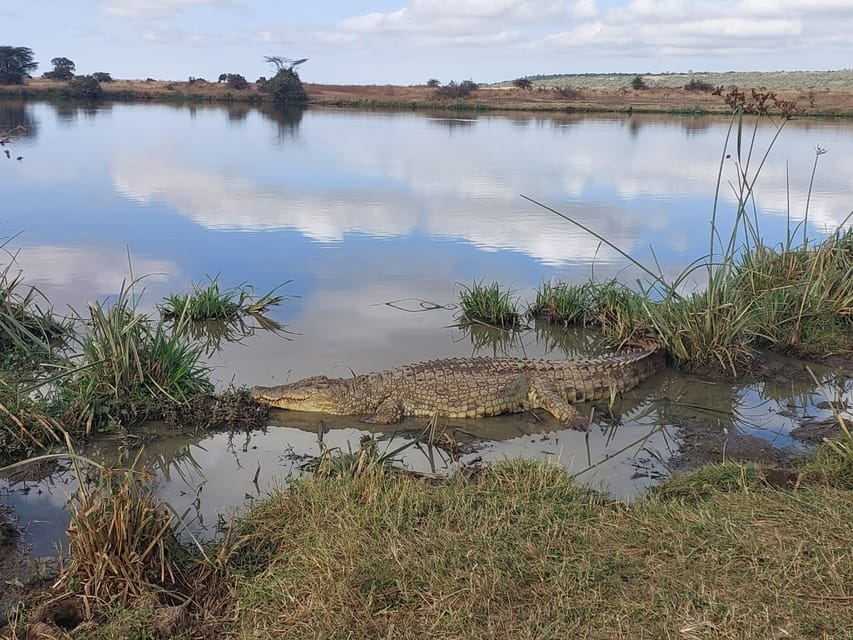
(154, 9)
(467, 21)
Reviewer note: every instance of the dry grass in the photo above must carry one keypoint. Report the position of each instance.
(523, 554)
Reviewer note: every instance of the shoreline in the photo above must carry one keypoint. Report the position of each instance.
(656, 99)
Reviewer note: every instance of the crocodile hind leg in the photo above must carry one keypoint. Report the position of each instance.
(546, 394)
(389, 411)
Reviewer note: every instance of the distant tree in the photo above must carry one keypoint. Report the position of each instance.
(699, 85)
(285, 87)
(236, 81)
(222, 77)
(84, 87)
(63, 69)
(522, 83)
(638, 83)
(16, 63)
(433, 82)
(102, 76)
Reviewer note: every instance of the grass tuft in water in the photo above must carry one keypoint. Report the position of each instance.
(210, 302)
(489, 304)
(132, 367)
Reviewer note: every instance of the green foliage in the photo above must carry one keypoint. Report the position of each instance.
(286, 88)
(489, 304)
(522, 83)
(638, 83)
(212, 303)
(102, 76)
(63, 69)
(16, 64)
(132, 367)
(236, 81)
(84, 88)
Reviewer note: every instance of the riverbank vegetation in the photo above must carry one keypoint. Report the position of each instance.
(794, 295)
(113, 367)
(731, 551)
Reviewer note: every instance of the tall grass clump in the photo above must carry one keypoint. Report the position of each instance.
(132, 367)
(795, 296)
(26, 426)
(489, 304)
(28, 333)
(210, 302)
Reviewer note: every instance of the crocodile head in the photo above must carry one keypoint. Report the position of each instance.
(311, 394)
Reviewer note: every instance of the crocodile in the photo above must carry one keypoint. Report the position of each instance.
(470, 387)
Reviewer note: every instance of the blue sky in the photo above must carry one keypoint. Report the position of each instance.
(409, 41)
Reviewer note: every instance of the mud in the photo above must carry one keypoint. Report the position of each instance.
(703, 443)
(813, 432)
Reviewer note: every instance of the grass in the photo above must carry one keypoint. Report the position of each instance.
(489, 304)
(524, 553)
(131, 367)
(795, 296)
(28, 333)
(210, 302)
(359, 550)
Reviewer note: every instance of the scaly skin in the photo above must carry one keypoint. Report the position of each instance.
(470, 388)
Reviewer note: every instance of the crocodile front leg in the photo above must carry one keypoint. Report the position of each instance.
(546, 395)
(389, 411)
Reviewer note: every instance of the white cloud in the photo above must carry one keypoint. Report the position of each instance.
(145, 9)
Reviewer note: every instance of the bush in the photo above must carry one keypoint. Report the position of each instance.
(85, 87)
(285, 88)
(433, 83)
(699, 85)
(568, 93)
(236, 81)
(102, 76)
(522, 83)
(638, 83)
(454, 90)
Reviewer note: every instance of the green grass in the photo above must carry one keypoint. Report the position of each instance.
(210, 302)
(131, 367)
(489, 304)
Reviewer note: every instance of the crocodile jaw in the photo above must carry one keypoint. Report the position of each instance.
(319, 394)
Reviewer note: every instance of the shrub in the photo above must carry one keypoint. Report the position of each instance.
(433, 83)
(85, 87)
(236, 81)
(460, 90)
(522, 83)
(102, 76)
(638, 83)
(568, 92)
(699, 85)
(285, 88)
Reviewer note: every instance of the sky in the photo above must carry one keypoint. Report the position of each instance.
(411, 41)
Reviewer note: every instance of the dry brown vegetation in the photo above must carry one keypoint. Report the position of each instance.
(604, 96)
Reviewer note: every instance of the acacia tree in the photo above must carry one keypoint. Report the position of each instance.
(16, 63)
(63, 69)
